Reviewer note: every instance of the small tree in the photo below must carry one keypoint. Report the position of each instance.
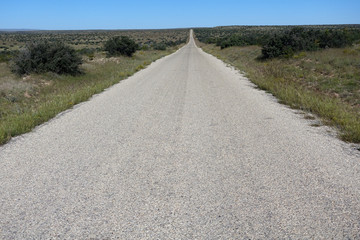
(274, 48)
(47, 57)
(121, 46)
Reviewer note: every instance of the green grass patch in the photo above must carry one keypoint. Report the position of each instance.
(326, 82)
(26, 102)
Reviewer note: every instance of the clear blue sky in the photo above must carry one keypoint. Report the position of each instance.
(137, 14)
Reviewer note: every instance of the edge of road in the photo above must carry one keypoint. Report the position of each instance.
(350, 148)
(60, 114)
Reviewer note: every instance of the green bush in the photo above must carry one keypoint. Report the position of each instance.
(144, 47)
(47, 57)
(121, 46)
(300, 39)
(6, 56)
(86, 51)
(159, 46)
(281, 41)
(89, 52)
(273, 48)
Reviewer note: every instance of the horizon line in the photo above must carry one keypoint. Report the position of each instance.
(171, 28)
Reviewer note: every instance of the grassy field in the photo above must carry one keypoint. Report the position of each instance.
(27, 101)
(325, 82)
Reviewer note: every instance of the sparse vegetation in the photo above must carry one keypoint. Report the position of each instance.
(324, 82)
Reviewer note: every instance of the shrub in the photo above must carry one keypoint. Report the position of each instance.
(334, 39)
(6, 56)
(159, 46)
(89, 52)
(273, 48)
(121, 46)
(144, 47)
(86, 51)
(47, 57)
(233, 40)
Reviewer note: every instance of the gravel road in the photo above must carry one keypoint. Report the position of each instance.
(185, 149)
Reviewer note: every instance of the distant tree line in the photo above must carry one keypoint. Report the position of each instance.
(94, 39)
(280, 41)
(228, 37)
(241, 40)
(300, 39)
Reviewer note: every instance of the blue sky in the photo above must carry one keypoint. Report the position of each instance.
(136, 14)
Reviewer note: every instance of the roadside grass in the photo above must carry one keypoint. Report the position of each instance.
(326, 82)
(26, 102)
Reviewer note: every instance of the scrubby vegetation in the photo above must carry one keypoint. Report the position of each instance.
(159, 46)
(225, 37)
(47, 57)
(27, 101)
(301, 39)
(121, 46)
(92, 39)
(89, 42)
(6, 56)
(281, 41)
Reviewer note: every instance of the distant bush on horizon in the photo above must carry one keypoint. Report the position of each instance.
(121, 46)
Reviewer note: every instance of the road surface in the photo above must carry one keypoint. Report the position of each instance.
(185, 149)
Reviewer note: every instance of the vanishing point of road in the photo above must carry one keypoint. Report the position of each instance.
(185, 149)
